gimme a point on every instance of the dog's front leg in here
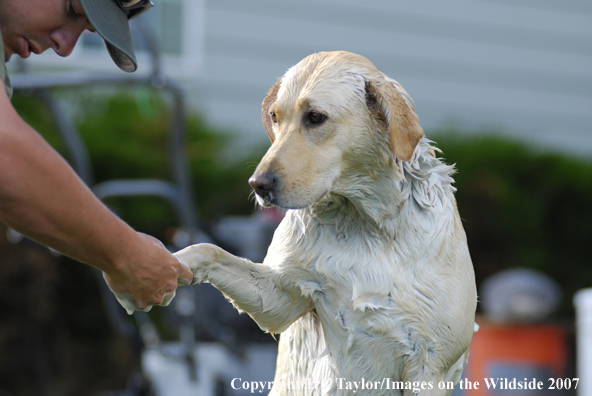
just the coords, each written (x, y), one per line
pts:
(254, 288)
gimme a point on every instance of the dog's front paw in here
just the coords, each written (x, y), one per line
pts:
(198, 258)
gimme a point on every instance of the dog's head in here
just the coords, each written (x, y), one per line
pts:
(318, 116)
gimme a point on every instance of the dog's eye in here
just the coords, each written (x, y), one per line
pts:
(273, 117)
(316, 118)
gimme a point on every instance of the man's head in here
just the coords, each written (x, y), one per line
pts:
(32, 26)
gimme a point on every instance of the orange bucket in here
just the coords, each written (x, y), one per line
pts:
(512, 359)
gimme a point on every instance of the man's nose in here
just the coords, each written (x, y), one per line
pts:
(63, 40)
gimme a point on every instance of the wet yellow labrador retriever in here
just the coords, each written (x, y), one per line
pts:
(368, 277)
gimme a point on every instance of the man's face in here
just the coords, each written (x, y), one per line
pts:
(32, 26)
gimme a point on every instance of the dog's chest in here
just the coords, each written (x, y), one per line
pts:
(356, 286)
(325, 355)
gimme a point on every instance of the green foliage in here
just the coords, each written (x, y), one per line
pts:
(126, 136)
(33, 110)
(522, 208)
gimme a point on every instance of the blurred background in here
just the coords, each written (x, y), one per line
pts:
(503, 87)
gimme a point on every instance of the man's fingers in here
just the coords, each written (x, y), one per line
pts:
(185, 276)
(168, 297)
(184, 281)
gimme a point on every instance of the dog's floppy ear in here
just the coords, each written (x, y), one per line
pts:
(391, 104)
(267, 102)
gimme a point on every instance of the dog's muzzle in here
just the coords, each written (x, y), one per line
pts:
(263, 184)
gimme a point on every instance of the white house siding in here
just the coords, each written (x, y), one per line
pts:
(523, 67)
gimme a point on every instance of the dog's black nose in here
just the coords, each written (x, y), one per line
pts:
(262, 183)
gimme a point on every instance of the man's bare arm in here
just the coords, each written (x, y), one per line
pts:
(43, 198)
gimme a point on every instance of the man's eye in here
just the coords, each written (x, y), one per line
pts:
(316, 118)
(273, 117)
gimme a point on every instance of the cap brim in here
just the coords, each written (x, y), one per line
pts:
(112, 24)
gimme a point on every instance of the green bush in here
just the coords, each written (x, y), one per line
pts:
(126, 136)
(523, 208)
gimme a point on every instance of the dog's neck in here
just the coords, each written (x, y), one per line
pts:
(391, 199)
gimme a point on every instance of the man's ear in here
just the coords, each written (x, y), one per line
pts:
(267, 102)
(391, 104)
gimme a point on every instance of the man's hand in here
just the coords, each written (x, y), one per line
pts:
(149, 276)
